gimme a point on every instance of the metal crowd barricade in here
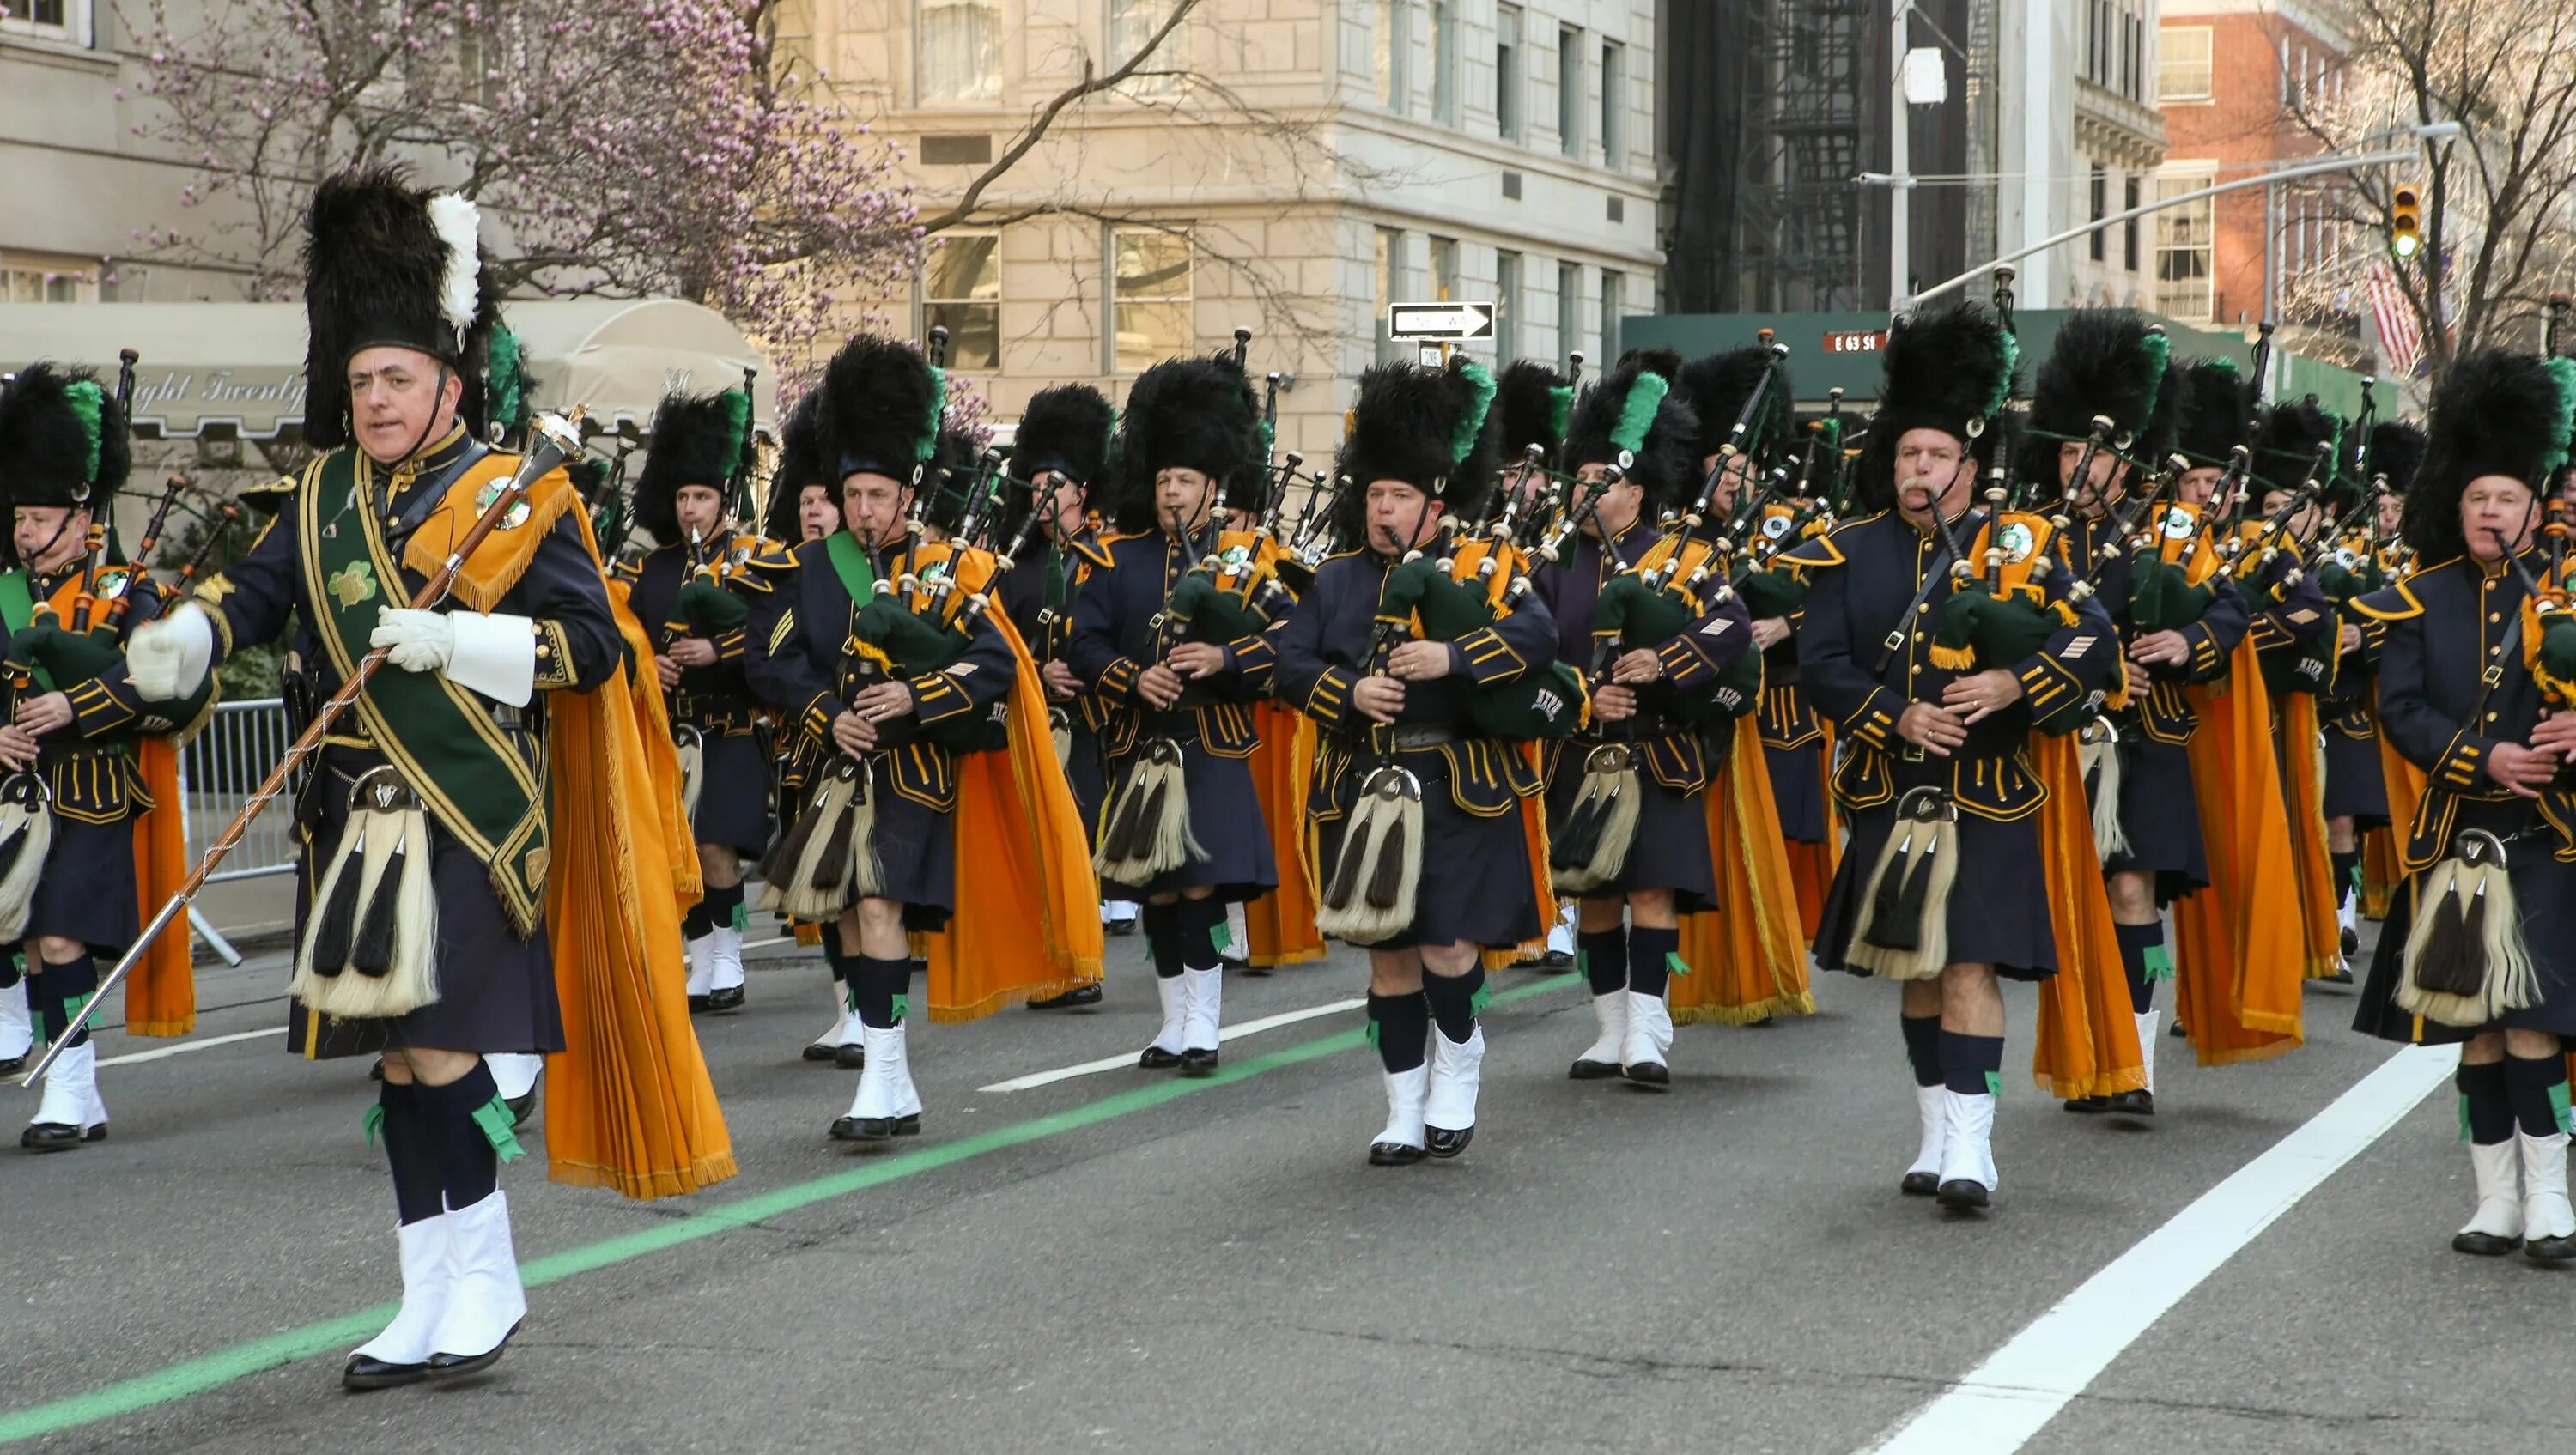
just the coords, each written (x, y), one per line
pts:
(218, 771)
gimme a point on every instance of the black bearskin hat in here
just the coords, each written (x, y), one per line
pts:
(800, 463)
(1430, 428)
(1194, 413)
(2396, 453)
(1949, 369)
(881, 410)
(385, 263)
(2497, 412)
(2292, 430)
(1717, 388)
(2108, 362)
(62, 440)
(1532, 402)
(1634, 419)
(695, 440)
(2217, 412)
(1064, 431)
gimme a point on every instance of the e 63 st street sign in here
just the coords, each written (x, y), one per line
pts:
(1446, 322)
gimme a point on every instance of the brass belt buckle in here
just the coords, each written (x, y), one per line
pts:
(1912, 753)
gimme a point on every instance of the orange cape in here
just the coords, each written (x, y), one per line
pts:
(1747, 958)
(2088, 1039)
(161, 989)
(2318, 897)
(1281, 924)
(2238, 958)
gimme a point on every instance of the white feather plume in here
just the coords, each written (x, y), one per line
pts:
(458, 224)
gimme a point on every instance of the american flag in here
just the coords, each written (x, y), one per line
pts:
(2401, 343)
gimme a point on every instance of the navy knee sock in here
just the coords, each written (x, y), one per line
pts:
(876, 987)
(1401, 1026)
(2486, 1105)
(409, 1153)
(722, 908)
(696, 925)
(1454, 1001)
(1972, 1065)
(2539, 1092)
(1161, 923)
(458, 1124)
(1200, 924)
(1651, 953)
(2137, 943)
(62, 990)
(2347, 873)
(1604, 957)
(1922, 1046)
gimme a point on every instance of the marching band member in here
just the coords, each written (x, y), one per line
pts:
(473, 798)
(695, 454)
(1175, 723)
(2356, 791)
(1629, 437)
(2294, 631)
(1945, 885)
(2480, 945)
(1422, 815)
(1532, 402)
(85, 762)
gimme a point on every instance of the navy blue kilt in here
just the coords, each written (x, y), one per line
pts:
(496, 991)
(86, 891)
(1798, 791)
(733, 795)
(2355, 788)
(916, 857)
(1670, 851)
(1476, 873)
(1225, 818)
(1998, 905)
(2544, 890)
(1084, 774)
(2160, 816)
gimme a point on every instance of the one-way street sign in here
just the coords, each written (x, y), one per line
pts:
(1450, 321)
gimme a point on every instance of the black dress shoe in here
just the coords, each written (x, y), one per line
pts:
(2089, 1105)
(2483, 1245)
(1125, 926)
(364, 1372)
(1442, 1142)
(875, 1129)
(1079, 995)
(1394, 1154)
(2342, 976)
(1556, 962)
(1155, 1058)
(2134, 1104)
(726, 1001)
(851, 1057)
(520, 1106)
(1198, 1063)
(2177, 1032)
(1963, 1194)
(10, 1066)
(1592, 1071)
(1652, 1075)
(2549, 1250)
(815, 1051)
(2351, 943)
(697, 1005)
(376, 1072)
(56, 1137)
(454, 1366)
(1919, 1184)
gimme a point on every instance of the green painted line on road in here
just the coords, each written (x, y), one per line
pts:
(213, 1371)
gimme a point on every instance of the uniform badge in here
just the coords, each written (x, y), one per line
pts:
(352, 584)
(1775, 527)
(512, 519)
(2177, 526)
(2016, 540)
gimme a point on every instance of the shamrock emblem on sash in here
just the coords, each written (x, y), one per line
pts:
(352, 584)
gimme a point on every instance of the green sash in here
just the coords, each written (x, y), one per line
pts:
(479, 784)
(17, 609)
(858, 573)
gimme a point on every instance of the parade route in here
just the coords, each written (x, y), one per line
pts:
(1101, 1262)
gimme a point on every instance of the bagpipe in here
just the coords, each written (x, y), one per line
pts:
(2346, 557)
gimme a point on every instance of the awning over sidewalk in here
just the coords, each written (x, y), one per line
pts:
(239, 367)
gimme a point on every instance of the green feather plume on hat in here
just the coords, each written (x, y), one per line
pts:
(2564, 372)
(2004, 379)
(1637, 415)
(938, 419)
(2159, 352)
(737, 427)
(1472, 422)
(1560, 408)
(89, 406)
(508, 380)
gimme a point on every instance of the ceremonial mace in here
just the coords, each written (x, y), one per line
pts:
(557, 440)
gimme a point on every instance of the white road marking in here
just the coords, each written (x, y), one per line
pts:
(1127, 1060)
(2003, 1402)
(158, 1053)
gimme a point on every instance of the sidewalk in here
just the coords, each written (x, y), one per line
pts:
(254, 914)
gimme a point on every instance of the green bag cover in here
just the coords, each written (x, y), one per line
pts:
(2162, 600)
(1769, 594)
(1536, 706)
(2558, 647)
(917, 645)
(2003, 630)
(709, 609)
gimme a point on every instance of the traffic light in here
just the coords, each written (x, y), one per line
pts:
(2406, 221)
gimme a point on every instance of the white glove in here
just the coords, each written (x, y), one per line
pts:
(493, 655)
(167, 657)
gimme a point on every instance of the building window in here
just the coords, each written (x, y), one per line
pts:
(1569, 305)
(961, 291)
(67, 21)
(1507, 292)
(1444, 62)
(959, 54)
(1393, 38)
(1507, 72)
(1614, 99)
(1444, 269)
(1614, 302)
(2101, 209)
(2182, 64)
(1569, 90)
(1133, 23)
(46, 285)
(2184, 250)
(1389, 281)
(1149, 297)
(2129, 229)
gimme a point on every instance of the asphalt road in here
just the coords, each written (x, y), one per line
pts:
(1117, 1261)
